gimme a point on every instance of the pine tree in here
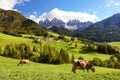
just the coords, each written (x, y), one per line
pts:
(64, 55)
(73, 57)
(0, 50)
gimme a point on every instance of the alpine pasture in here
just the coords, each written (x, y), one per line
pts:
(39, 71)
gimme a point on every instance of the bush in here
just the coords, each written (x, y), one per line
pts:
(72, 39)
(117, 56)
(61, 37)
(80, 58)
(97, 62)
(117, 65)
(89, 47)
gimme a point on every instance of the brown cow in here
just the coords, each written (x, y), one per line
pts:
(24, 61)
(82, 64)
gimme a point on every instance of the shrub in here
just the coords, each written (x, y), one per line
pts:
(61, 37)
(80, 58)
(117, 65)
(89, 47)
(97, 62)
(117, 56)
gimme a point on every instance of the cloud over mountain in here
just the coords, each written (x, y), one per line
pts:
(69, 15)
(65, 16)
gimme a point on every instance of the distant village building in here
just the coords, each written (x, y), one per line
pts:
(36, 40)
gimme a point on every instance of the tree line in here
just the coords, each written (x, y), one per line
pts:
(43, 54)
(104, 48)
(112, 62)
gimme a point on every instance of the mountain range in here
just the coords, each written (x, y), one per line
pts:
(70, 25)
(106, 30)
(12, 22)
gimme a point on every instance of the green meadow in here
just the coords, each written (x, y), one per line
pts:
(115, 44)
(7, 39)
(69, 46)
(38, 71)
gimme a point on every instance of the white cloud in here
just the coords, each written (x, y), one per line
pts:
(9, 4)
(112, 3)
(117, 3)
(34, 17)
(65, 16)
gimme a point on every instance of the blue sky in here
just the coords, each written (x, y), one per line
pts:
(34, 9)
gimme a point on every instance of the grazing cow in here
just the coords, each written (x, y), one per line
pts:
(24, 61)
(82, 64)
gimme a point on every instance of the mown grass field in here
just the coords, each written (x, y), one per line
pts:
(38, 71)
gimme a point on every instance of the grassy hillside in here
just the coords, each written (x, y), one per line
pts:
(69, 46)
(106, 30)
(14, 23)
(36, 71)
(7, 39)
(115, 44)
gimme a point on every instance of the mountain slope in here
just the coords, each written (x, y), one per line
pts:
(61, 31)
(106, 30)
(12, 22)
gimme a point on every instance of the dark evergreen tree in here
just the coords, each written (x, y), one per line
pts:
(65, 55)
(80, 58)
(0, 50)
(73, 57)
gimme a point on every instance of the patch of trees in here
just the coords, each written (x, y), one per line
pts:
(13, 34)
(100, 47)
(112, 62)
(89, 47)
(51, 55)
(44, 54)
(18, 51)
(107, 49)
